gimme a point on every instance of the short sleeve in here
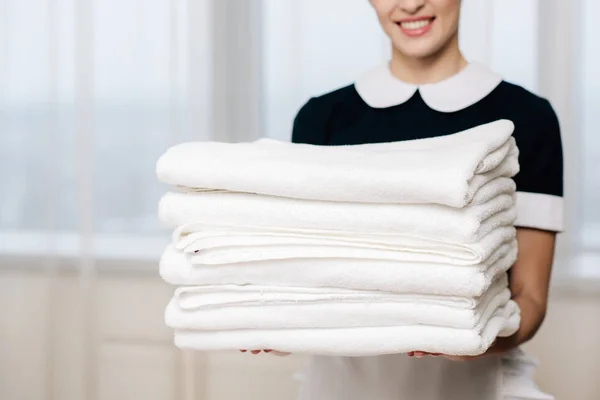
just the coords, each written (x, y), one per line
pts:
(540, 178)
(311, 123)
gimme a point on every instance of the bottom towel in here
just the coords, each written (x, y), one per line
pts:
(363, 341)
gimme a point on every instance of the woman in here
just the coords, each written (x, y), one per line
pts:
(429, 89)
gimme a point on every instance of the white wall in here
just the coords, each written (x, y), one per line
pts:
(134, 355)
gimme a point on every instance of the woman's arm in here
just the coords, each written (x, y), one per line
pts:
(530, 280)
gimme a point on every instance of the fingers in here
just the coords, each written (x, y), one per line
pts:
(421, 354)
(278, 353)
(251, 351)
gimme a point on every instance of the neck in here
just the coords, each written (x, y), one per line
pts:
(434, 68)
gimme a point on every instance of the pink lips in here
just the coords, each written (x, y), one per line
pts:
(415, 32)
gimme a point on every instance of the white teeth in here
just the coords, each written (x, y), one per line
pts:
(415, 24)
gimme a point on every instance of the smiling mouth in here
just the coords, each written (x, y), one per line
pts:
(414, 26)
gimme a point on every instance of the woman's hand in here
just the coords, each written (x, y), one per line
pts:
(268, 351)
(529, 284)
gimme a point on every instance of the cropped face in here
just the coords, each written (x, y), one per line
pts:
(418, 28)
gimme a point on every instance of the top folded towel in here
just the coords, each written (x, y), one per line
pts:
(445, 170)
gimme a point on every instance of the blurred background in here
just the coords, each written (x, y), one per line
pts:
(93, 91)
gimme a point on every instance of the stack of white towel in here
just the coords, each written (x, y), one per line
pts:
(342, 250)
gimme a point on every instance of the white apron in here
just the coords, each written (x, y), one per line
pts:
(399, 377)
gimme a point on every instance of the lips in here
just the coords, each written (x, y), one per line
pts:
(416, 26)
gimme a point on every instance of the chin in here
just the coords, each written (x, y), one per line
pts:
(422, 50)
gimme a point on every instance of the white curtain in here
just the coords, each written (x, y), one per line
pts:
(93, 91)
(588, 87)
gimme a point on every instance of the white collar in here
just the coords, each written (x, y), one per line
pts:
(379, 88)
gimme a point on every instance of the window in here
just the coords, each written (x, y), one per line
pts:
(145, 57)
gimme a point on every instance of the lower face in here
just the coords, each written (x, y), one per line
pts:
(421, 33)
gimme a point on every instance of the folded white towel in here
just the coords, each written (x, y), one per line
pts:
(210, 245)
(362, 341)
(192, 298)
(177, 268)
(227, 307)
(445, 170)
(432, 221)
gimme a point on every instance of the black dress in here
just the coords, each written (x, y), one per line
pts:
(380, 108)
